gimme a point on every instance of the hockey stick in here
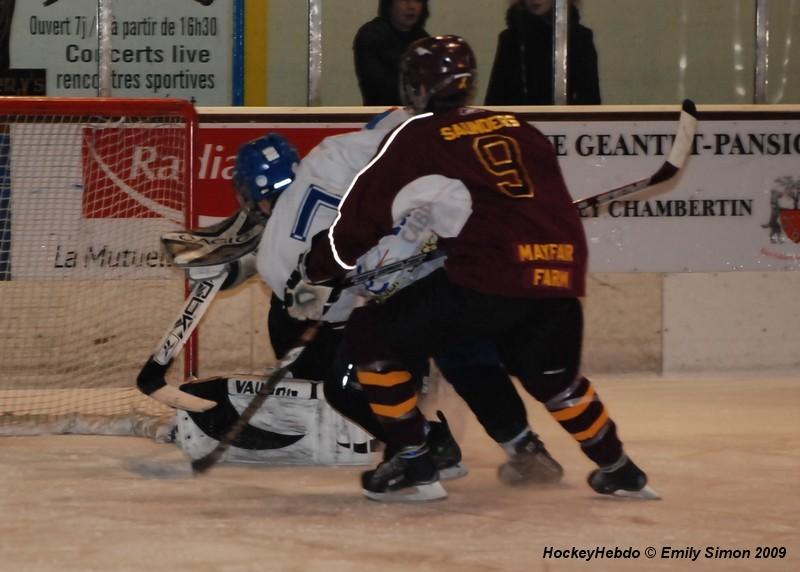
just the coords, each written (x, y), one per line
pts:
(203, 464)
(410, 262)
(151, 379)
(679, 153)
(215, 245)
(681, 149)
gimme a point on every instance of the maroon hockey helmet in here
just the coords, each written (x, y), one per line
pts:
(437, 73)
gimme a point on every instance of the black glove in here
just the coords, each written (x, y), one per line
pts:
(307, 301)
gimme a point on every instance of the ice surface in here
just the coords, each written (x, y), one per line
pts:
(724, 454)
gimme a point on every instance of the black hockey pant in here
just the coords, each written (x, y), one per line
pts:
(538, 340)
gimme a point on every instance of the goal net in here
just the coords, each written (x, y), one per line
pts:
(87, 187)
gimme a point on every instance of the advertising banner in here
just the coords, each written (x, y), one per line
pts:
(735, 205)
(180, 48)
(731, 208)
(83, 210)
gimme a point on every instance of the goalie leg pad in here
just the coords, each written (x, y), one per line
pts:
(295, 426)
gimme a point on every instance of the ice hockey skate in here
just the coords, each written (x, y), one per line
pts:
(623, 479)
(445, 450)
(404, 478)
(530, 464)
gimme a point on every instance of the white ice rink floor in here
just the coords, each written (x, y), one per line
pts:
(724, 454)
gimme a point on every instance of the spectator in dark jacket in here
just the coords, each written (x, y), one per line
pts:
(379, 45)
(522, 73)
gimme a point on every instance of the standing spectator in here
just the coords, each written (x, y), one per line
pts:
(522, 73)
(380, 43)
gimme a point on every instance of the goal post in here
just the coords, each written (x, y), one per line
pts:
(87, 187)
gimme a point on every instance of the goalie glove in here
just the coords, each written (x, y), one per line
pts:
(238, 271)
(305, 300)
(200, 273)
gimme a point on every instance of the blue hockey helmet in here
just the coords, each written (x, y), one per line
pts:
(264, 168)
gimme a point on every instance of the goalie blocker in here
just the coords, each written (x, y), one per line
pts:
(295, 426)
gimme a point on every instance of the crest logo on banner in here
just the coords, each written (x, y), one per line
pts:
(132, 173)
(790, 221)
(784, 217)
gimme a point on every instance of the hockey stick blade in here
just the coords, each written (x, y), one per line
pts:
(681, 149)
(177, 399)
(151, 379)
(203, 464)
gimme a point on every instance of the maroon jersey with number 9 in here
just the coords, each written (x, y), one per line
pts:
(495, 194)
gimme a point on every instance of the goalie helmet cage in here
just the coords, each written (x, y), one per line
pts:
(87, 187)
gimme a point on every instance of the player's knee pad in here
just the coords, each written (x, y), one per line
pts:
(344, 393)
(293, 426)
(544, 385)
(390, 389)
(579, 409)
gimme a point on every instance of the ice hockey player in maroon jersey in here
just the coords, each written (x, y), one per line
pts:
(514, 273)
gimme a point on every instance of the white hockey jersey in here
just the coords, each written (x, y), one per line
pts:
(310, 203)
